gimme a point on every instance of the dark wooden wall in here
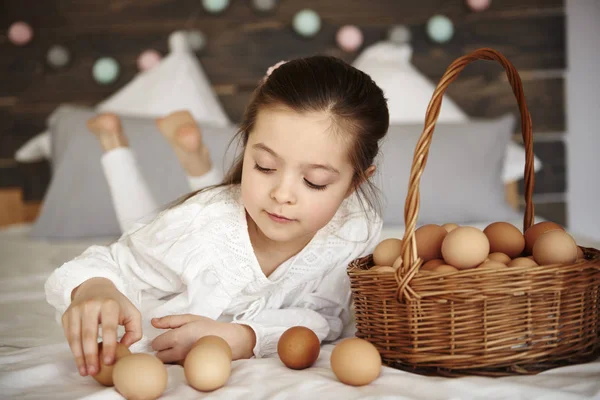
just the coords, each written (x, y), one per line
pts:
(243, 43)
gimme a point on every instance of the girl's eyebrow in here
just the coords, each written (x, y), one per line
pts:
(264, 147)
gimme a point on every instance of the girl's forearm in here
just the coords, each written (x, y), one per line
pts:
(242, 342)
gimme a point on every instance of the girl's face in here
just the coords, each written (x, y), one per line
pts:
(296, 173)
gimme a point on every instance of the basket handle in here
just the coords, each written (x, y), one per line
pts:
(411, 263)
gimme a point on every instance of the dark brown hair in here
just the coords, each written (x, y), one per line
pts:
(324, 84)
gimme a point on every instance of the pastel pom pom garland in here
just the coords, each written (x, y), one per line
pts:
(307, 23)
(440, 29)
(196, 40)
(58, 56)
(106, 70)
(479, 5)
(215, 6)
(264, 5)
(148, 59)
(20, 33)
(349, 38)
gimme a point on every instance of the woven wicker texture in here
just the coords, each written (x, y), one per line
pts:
(491, 322)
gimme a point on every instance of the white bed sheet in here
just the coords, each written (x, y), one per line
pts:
(35, 361)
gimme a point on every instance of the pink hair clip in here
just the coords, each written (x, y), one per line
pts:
(273, 68)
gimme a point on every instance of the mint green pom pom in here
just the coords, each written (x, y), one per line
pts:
(440, 29)
(106, 70)
(307, 23)
(215, 6)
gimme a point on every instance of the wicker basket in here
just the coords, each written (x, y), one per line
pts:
(489, 322)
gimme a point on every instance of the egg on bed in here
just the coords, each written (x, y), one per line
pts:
(105, 374)
(140, 376)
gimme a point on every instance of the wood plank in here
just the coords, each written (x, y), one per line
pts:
(552, 178)
(243, 43)
(11, 206)
(555, 211)
(56, 13)
(13, 210)
(36, 178)
(240, 53)
(480, 99)
(31, 179)
(10, 176)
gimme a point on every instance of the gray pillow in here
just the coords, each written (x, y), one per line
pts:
(461, 183)
(78, 204)
(462, 180)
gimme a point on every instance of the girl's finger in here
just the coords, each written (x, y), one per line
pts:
(89, 336)
(109, 317)
(72, 328)
(133, 329)
(165, 341)
(170, 355)
(173, 321)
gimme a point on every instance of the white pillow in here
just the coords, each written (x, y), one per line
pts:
(178, 82)
(409, 93)
(407, 90)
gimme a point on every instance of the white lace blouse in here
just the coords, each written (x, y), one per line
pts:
(197, 258)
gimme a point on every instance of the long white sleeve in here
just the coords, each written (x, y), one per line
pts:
(151, 258)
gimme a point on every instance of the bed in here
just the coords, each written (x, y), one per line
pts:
(36, 363)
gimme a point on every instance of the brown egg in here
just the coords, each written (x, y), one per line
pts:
(444, 268)
(431, 264)
(140, 376)
(429, 240)
(555, 247)
(505, 238)
(104, 376)
(535, 231)
(213, 340)
(580, 254)
(398, 263)
(387, 251)
(522, 262)
(500, 257)
(465, 247)
(355, 362)
(450, 227)
(492, 265)
(299, 347)
(207, 366)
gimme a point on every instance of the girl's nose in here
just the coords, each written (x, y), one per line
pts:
(283, 193)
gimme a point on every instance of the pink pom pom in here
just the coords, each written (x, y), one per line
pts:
(479, 5)
(349, 38)
(148, 59)
(20, 33)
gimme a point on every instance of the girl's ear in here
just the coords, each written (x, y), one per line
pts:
(368, 173)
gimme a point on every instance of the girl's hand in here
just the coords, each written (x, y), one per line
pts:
(98, 302)
(185, 330)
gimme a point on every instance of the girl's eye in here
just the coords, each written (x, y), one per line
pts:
(315, 187)
(307, 182)
(263, 170)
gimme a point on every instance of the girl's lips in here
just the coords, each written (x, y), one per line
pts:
(279, 218)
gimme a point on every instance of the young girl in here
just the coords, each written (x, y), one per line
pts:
(266, 250)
